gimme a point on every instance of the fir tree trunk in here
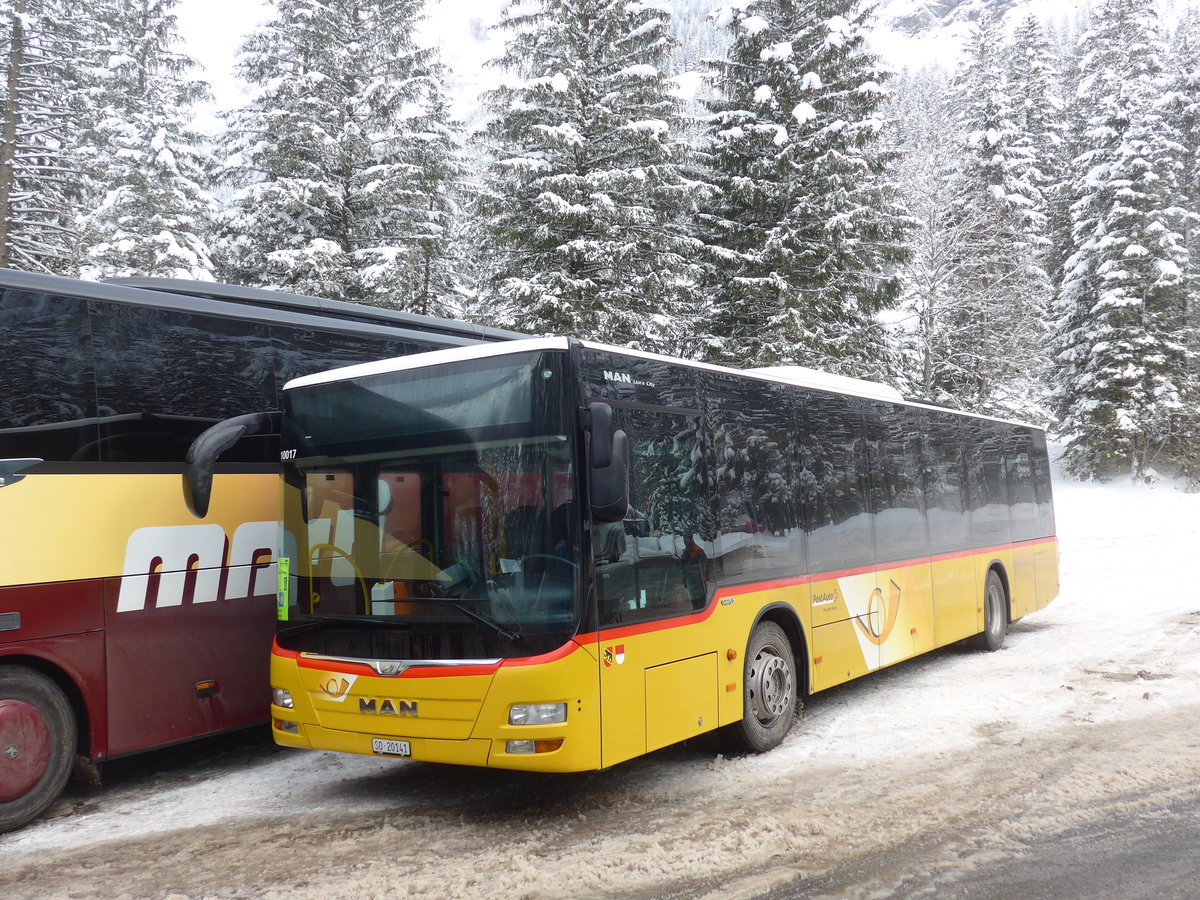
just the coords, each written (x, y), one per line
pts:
(8, 147)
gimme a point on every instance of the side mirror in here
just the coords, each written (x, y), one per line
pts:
(609, 481)
(202, 454)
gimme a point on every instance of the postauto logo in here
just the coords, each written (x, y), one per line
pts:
(166, 564)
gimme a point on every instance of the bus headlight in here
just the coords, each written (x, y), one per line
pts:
(537, 714)
(282, 698)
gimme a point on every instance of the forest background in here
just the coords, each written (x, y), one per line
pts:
(748, 184)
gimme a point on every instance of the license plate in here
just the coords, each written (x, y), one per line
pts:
(388, 747)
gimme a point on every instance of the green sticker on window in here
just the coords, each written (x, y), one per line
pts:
(284, 567)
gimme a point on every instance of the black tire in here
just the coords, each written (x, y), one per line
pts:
(37, 744)
(995, 613)
(769, 691)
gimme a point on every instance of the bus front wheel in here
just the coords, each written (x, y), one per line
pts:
(995, 613)
(768, 690)
(37, 743)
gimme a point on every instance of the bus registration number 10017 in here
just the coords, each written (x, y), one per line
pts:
(388, 747)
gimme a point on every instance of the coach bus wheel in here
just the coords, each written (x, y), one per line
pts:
(768, 690)
(995, 613)
(37, 743)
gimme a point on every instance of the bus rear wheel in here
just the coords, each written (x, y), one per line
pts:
(37, 743)
(768, 691)
(995, 613)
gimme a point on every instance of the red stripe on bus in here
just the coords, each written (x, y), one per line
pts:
(571, 646)
(780, 583)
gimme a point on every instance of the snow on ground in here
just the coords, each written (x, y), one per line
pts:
(1101, 688)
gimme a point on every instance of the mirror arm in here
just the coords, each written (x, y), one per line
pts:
(202, 455)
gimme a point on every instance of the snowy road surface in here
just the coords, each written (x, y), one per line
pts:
(906, 783)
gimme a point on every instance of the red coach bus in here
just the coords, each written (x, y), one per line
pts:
(124, 624)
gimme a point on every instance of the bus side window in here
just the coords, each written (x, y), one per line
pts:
(753, 446)
(1021, 489)
(49, 398)
(897, 495)
(945, 483)
(836, 508)
(988, 485)
(1040, 464)
(219, 367)
(656, 572)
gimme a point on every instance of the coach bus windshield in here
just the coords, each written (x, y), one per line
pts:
(430, 511)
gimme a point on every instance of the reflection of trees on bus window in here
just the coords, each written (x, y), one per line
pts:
(639, 570)
(833, 453)
(753, 441)
(987, 486)
(897, 498)
(945, 482)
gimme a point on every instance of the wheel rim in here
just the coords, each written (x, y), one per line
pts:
(770, 685)
(25, 748)
(996, 608)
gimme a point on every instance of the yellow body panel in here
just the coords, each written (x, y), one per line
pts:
(645, 667)
(95, 516)
(681, 700)
(1045, 568)
(955, 600)
(633, 689)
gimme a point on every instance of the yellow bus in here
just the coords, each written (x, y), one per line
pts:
(556, 555)
(124, 623)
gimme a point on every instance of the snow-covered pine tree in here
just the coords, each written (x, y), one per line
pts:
(148, 170)
(1122, 391)
(589, 206)
(344, 157)
(695, 38)
(45, 45)
(1033, 69)
(415, 191)
(924, 133)
(993, 331)
(1183, 109)
(804, 228)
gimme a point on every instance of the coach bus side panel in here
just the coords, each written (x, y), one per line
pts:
(177, 672)
(189, 624)
(60, 625)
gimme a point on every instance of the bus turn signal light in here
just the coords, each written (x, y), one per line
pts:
(532, 746)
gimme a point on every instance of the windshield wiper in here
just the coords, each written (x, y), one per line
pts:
(381, 620)
(484, 620)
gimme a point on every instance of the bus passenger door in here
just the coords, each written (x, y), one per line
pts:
(622, 684)
(658, 684)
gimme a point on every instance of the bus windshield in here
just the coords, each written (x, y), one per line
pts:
(430, 512)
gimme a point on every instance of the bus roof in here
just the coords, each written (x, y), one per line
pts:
(795, 375)
(256, 304)
(271, 299)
